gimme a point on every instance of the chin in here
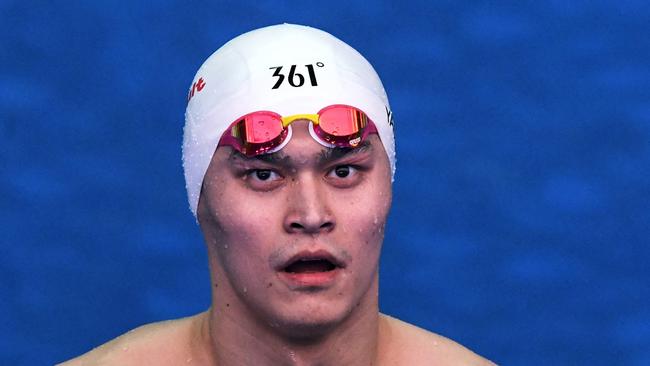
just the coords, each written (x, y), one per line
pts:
(311, 322)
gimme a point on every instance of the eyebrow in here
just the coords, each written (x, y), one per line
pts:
(337, 153)
(277, 158)
(326, 155)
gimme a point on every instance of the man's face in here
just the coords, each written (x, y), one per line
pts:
(294, 237)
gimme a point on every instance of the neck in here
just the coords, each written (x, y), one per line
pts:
(235, 337)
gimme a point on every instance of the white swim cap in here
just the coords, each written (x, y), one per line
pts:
(289, 69)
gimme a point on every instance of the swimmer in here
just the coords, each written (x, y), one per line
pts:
(288, 156)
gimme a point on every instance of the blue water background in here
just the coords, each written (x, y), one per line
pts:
(521, 211)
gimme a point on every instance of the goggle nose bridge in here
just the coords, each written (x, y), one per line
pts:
(286, 121)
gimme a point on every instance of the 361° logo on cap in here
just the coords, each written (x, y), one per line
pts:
(295, 79)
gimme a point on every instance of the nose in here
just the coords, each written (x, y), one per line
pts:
(308, 211)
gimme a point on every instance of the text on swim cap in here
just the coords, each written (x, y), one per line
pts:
(389, 117)
(196, 87)
(294, 78)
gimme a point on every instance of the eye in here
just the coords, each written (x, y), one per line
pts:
(343, 172)
(262, 180)
(262, 175)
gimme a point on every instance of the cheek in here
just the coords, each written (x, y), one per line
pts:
(237, 213)
(245, 227)
(240, 230)
(365, 218)
(241, 218)
(242, 247)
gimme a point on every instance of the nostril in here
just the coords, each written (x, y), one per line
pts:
(297, 226)
(327, 225)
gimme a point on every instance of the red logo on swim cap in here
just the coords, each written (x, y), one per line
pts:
(196, 87)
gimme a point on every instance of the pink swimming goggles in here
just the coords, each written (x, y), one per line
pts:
(266, 132)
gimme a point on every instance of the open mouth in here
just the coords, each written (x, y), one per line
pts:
(310, 266)
(312, 262)
(311, 270)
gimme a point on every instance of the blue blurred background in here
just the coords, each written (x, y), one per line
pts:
(521, 214)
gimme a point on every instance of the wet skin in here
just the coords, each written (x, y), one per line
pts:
(258, 214)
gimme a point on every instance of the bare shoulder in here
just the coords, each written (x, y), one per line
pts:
(410, 345)
(163, 343)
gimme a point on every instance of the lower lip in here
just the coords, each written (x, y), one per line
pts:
(310, 279)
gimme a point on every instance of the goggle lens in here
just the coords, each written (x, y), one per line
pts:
(339, 121)
(260, 127)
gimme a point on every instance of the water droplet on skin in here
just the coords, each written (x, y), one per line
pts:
(225, 246)
(245, 290)
(188, 360)
(125, 349)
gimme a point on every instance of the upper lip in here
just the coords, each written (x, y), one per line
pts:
(307, 255)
